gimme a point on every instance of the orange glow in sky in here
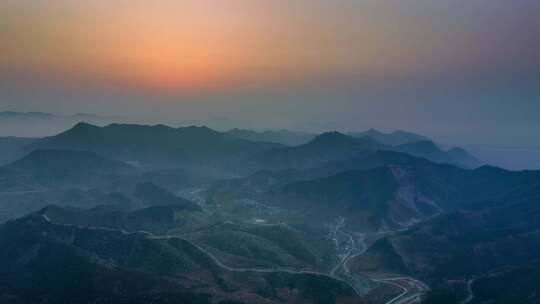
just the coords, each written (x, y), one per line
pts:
(189, 44)
(206, 44)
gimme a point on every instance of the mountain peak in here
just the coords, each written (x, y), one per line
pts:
(78, 130)
(199, 129)
(84, 125)
(332, 137)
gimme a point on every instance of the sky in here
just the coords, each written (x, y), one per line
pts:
(463, 71)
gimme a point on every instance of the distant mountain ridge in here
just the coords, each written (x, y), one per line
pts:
(97, 136)
(431, 151)
(13, 114)
(335, 146)
(293, 138)
(394, 138)
(44, 115)
(286, 137)
(155, 145)
(39, 124)
(326, 147)
(422, 146)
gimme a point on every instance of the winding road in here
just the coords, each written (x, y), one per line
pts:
(346, 257)
(150, 235)
(470, 296)
(362, 243)
(413, 290)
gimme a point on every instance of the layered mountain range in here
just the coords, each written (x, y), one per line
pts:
(133, 213)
